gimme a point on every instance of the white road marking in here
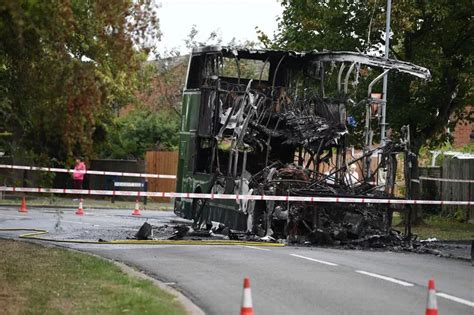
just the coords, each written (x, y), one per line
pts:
(455, 299)
(259, 248)
(315, 260)
(405, 284)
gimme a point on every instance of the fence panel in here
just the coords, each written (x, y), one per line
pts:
(161, 162)
(458, 169)
(431, 190)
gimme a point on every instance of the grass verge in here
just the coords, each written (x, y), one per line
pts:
(44, 280)
(442, 229)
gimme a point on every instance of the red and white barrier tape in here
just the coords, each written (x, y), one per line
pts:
(91, 172)
(145, 175)
(449, 180)
(232, 196)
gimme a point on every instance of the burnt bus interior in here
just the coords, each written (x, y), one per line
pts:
(277, 123)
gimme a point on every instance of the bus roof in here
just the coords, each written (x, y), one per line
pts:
(315, 56)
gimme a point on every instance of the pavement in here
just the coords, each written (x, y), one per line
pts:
(90, 202)
(284, 280)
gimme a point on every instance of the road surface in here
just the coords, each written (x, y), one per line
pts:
(284, 280)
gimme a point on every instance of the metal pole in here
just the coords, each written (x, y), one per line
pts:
(384, 92)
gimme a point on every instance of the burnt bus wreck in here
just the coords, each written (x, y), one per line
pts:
(279, 123)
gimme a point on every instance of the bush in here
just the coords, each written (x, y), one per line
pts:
(142, 130)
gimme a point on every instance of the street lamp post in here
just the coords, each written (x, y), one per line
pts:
(384, 91)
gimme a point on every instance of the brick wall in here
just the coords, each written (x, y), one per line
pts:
(462, 131)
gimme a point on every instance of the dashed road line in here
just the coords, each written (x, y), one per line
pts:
(455, 299)
(259, 248)
(400, 282)
(315, 260)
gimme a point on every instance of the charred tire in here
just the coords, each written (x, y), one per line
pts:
(197, 210)
(258, 226)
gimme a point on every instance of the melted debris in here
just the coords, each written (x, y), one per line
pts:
(393, 241)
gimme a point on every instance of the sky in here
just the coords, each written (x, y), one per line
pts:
(229, 18)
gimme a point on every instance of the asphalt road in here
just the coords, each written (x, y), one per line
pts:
(286, 280)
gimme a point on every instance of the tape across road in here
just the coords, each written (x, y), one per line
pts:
(232, 196)
(91, 172)
(145, 175)
(449, 180)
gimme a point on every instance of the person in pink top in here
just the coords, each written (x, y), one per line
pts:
(78, 174)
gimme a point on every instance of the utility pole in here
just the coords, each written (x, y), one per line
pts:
(384, 91)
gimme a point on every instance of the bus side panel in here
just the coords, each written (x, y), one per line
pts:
(181, 207)
(187, 147)
(190, 111)
(190, 181)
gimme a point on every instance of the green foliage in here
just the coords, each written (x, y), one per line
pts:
(441, 228)
(425, 156)
(65, 66)
(247, 69)
(142, 130)
(332, 24)
(166, 83)
(455, 214)
(437, 34)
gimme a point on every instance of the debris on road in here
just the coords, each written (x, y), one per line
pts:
(145, 232)
(393, 241)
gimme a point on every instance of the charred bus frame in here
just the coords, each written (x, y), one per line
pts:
(281, 128)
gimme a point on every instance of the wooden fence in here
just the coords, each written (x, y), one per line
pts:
(453, 168)
(161, 162)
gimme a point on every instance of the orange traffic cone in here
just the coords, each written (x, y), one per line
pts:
(80, 211)
(247, 307)
(431, 305)
(136, 211)
(23, 206)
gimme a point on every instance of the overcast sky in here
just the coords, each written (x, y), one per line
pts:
(230, 18)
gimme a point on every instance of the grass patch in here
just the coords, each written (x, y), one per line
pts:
(43, 280)
(442, 229)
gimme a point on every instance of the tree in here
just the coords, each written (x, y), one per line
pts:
(191, 40)
(141, 130)
(65, 66)
(436, 34)
(165, 84)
